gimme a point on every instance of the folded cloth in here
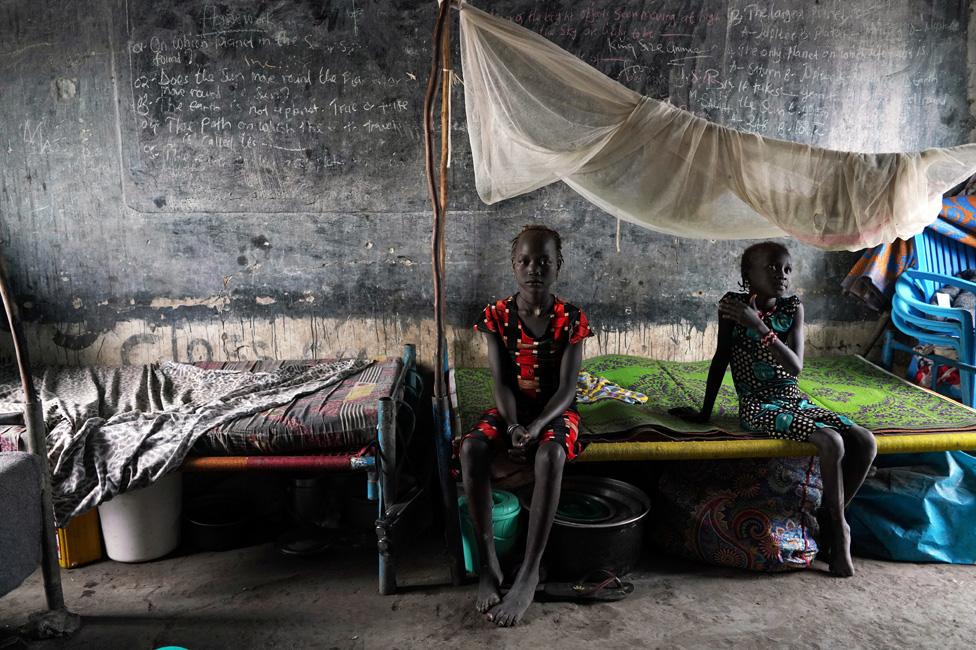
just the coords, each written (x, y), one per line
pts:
(872, 278)
(590, 388)
(956, 296)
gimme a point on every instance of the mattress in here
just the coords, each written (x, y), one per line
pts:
(905, 417)
(341, 418)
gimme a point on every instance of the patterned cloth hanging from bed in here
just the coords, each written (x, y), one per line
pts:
(537, 114)
(750, 513)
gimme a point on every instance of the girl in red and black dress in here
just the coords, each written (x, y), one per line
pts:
(535, 345)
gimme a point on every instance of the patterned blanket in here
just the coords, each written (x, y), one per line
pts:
(342, 418)
(111, 430)
(750, 513)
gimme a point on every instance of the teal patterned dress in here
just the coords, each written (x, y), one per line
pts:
(769, 400)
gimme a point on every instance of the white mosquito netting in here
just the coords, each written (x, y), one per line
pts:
(537, 114)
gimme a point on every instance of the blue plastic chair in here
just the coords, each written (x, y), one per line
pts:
(938, 259)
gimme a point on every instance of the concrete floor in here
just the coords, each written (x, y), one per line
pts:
(255, 598)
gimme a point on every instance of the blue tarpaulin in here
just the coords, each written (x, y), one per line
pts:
(917, 508)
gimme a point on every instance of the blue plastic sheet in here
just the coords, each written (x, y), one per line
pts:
(917, 508)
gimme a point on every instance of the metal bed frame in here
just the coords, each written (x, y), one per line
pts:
(379, 463)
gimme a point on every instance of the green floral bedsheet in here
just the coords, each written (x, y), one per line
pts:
(848, 385)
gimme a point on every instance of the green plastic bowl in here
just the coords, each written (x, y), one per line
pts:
(505, 525)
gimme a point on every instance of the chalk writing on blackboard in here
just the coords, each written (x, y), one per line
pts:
(234, 104)
(238, 106)
(783, 69)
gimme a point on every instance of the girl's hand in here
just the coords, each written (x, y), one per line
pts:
(744, 314)
(523, 437)
(516, 434)
(516, 452)
(689, 414)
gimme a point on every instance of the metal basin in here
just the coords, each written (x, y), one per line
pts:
(599, 524)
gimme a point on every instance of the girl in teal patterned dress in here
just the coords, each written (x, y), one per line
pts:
(760, 334)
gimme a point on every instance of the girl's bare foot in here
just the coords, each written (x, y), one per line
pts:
(841, 563)
(516, 601)
(489, 586)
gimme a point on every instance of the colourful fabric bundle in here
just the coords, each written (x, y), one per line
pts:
(755, 514)
(590, 388)
(872, 278)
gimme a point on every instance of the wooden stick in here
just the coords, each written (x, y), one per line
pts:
(436, 193)
(440, 65)
(879, 330)
(447, 76)
(37, 443)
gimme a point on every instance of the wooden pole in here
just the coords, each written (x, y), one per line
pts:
(447, 77)
(437, 188)
(37, 444)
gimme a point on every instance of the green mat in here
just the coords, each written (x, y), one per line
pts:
(848, 385)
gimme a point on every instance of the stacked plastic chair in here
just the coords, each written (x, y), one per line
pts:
(939, 259)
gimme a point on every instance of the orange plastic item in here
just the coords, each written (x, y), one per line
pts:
(80, 542)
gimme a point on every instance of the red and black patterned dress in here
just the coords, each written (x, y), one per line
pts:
(533, 366)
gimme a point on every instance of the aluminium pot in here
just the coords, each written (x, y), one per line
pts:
(599, 525)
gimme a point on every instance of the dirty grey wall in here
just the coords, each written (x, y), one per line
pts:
(243, 179)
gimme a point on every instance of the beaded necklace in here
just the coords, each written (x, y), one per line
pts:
(763, 315)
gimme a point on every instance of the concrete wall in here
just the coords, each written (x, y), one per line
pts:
(100, 282)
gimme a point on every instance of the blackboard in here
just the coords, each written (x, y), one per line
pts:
(249, 106)
(834, 73)
(272, 107)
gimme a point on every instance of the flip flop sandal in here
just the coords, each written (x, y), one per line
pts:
(610, 589)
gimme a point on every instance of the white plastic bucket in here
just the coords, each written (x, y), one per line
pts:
(143, 524)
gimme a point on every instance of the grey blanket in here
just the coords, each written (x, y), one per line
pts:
(111, 430)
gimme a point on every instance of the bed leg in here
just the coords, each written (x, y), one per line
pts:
(50, 569)
(409, 357)
(386, 433)
(886, 350)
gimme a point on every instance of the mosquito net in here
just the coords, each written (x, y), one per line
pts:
(537, 114)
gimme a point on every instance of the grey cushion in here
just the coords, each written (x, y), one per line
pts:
(20, 518)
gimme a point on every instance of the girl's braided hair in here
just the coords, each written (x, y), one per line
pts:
(547, 231)
(750, 253)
